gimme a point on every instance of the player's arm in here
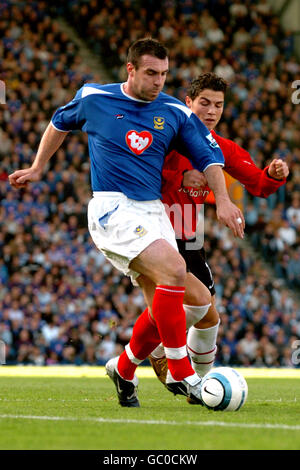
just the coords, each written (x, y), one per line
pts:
(206, 156)
(66, 118)
(227, 212)
(259, 182)
(239, 165)
(50, 142)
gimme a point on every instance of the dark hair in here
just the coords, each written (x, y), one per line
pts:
(146, 46)
(204, 81)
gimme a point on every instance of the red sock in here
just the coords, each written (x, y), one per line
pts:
(145, 338)
(169, 315)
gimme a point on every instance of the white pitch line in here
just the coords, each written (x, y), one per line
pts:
(286, 427)
(84, 400)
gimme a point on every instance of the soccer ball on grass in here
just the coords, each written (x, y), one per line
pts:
(224, 388)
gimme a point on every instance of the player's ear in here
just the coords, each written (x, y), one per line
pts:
(188, 102)
(130, 67)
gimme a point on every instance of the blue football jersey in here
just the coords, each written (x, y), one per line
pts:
(129, 138)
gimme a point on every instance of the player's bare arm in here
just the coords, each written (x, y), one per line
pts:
(278, 169)
(227, 212)
(50, 142)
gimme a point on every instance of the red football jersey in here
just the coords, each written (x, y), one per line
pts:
(183, 201)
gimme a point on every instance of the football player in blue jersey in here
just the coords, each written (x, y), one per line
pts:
(131, 127)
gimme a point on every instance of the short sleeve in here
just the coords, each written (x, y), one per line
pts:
(201, 147)
(71, 116)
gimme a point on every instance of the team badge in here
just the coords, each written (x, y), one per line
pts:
(138, 142)
(212, 140)
(140, 231)
(159, 122)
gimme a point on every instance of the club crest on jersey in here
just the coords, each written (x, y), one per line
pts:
(138, 142)
(159, 122)
(140, 231)
(212, 140)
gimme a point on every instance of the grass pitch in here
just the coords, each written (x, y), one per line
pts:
(77, 408)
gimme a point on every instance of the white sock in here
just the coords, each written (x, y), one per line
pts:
(158, 352)
(201, 345)
(194, 313)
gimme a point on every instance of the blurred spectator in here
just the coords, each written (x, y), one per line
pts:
(247, 348)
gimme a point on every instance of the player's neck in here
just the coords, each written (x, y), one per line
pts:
(127, 90)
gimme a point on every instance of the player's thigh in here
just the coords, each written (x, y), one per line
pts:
(161, 263)
(196, 293)
(197, 265)
(148, 288)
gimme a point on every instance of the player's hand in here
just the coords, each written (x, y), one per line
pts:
(278, 169)
(231, 216)
(20, 178)
(194, 179)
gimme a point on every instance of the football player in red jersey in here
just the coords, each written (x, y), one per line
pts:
(185, 187)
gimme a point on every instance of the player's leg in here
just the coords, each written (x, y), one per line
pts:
(145, 337)
(168, 317)
(138, 238)
(202, 340)
(196, 305)
(161, 263)
(202, 335)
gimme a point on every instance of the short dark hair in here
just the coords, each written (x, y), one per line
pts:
(209, 81)
(145, 46)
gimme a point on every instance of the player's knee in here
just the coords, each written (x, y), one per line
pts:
(198, 296)
(178, 273)
(211, 319)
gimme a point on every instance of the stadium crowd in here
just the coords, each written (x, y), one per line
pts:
(61, 302)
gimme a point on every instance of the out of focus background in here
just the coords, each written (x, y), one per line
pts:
(61, 302)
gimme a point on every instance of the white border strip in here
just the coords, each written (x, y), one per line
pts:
(286, 427)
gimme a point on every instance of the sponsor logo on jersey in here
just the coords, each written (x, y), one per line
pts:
(194, 192)
(212, 140)
(138, 142)
(119, 116)
(140, 231)
(159, 122)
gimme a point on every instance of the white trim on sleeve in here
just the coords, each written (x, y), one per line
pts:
(214, 164)
(56, 128)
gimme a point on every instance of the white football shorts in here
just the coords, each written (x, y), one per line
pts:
(122, 228)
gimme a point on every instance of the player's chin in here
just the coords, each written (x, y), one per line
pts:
(154, 94)
(210, 123)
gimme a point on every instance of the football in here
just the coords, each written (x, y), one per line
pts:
(224, 388)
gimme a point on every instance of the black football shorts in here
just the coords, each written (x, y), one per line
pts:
(196, 264)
